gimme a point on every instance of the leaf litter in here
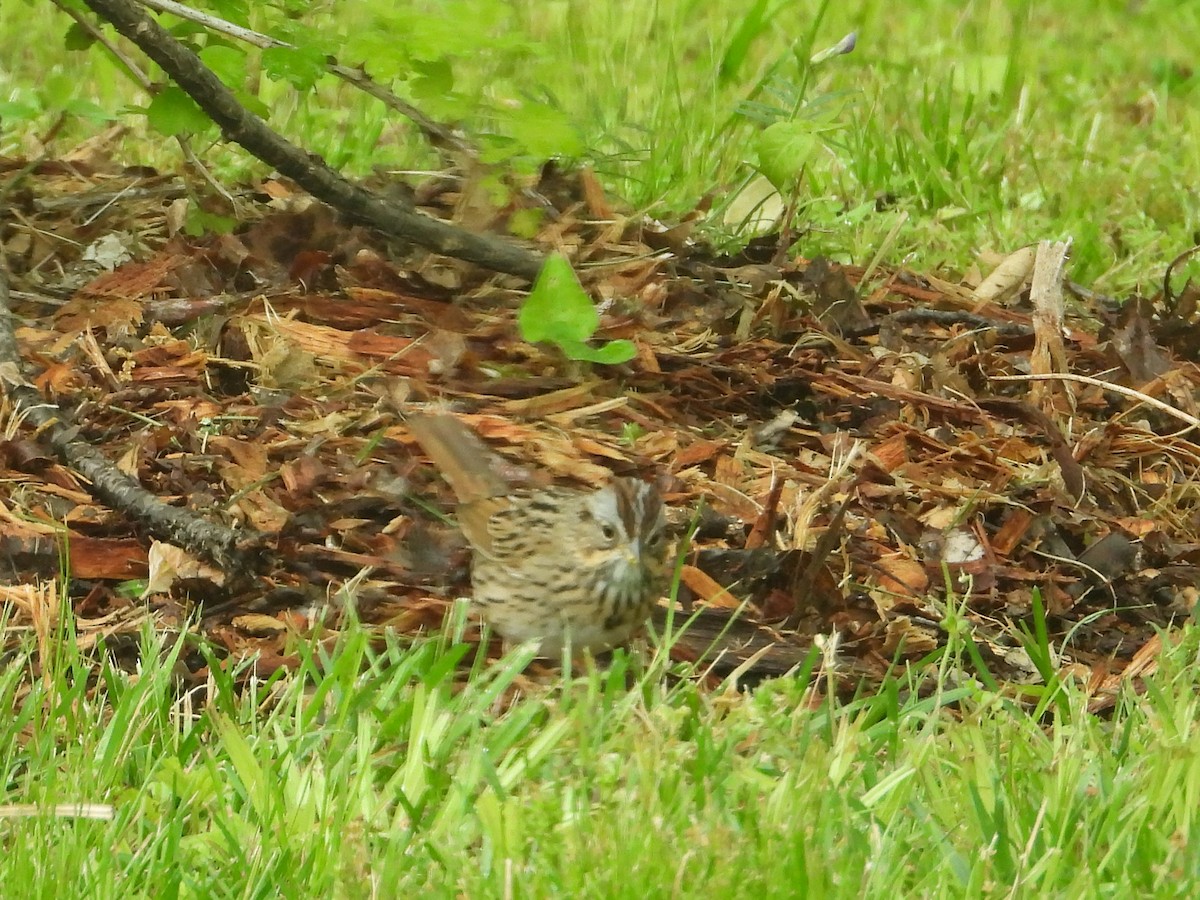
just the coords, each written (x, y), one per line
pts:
(856, 477)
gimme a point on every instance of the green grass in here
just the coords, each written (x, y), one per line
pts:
(971, 127)
(370, 773)
(986, 125)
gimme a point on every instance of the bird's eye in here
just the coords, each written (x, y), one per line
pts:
(608, 531)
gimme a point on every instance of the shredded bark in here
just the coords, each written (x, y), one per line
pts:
(861, 483)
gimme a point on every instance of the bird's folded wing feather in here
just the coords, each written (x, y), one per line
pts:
(462, 458)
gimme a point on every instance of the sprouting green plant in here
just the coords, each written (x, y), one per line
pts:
(558, 311)
(630, 432)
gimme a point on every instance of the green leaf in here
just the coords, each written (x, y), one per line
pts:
(173, 112)
(57, 89)
(525, 223)
(131, 589)
(19, 111)
(460, 28)
(557, 309)
(253, 104)
(78, 38)
(498, 148)
(609, 354)
(384, 58)
(434, 78)
(199, 223)
(784, 149)
(299, 67)
(236, 11)
(228, 63)
(86, 109)
(545, 131)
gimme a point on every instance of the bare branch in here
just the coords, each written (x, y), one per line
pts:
(232, 550)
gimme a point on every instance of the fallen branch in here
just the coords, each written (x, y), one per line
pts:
(233, 551)
(253, 134)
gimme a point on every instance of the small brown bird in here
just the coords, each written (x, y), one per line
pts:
(566, 567)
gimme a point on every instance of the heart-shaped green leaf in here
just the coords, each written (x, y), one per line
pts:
(784, 149)
(559, 311)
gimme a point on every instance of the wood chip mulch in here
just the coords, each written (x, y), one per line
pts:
(860, 485)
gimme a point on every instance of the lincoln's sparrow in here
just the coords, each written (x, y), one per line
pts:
(564, 566)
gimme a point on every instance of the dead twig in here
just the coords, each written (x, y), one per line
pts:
(234, 551)
(1107, 386)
